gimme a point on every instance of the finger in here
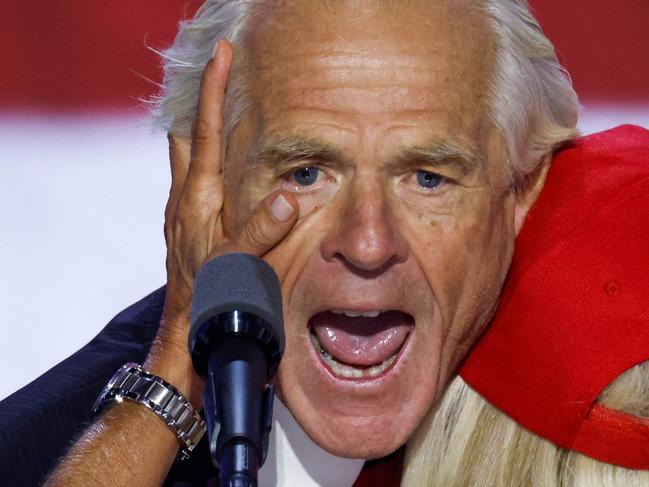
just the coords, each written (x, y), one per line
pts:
(179, 155)
(206, 137)
(269, 223)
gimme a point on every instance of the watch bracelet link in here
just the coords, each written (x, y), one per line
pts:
(132, 383)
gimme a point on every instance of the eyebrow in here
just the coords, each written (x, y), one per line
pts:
(439, 153)
(296, 148)
(435, 153)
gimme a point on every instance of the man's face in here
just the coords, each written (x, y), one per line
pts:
(374, 115)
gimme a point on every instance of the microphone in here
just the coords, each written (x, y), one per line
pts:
(236, 340)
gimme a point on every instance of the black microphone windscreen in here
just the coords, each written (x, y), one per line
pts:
(241, 282)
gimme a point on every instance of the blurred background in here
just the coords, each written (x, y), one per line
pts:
(84, 177)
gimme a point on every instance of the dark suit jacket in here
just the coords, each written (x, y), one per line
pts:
(40, 421)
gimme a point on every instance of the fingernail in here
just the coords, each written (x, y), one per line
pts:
(216, 48)
(281, 209)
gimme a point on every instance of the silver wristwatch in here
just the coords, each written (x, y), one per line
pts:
(132, 383)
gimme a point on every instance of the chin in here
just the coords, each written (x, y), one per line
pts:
(359, 379)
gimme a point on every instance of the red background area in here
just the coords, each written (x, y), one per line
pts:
(90, 54)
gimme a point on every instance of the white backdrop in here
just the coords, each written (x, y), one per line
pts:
(81, 203)
(81, 215)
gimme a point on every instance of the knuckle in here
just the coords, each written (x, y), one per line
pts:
(169, 222)
(258, 234)
(170, 208)
(203, 129)
(184, 209)
(168, 233)
(171, 141)
(168, 219)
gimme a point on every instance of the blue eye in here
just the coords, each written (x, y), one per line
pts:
(428, 179)
(306, 176)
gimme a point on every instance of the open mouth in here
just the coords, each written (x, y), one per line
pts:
(359, 344)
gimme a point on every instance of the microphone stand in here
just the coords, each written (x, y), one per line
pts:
(236, 340)
(239, 429)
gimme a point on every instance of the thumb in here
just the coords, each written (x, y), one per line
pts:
(269, 223)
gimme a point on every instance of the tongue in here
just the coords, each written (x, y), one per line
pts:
(362, 341)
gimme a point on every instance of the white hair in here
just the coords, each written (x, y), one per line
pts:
(532, 100)
(465, 441)
(184, 61)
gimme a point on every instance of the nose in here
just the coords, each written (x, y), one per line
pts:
(366, 236)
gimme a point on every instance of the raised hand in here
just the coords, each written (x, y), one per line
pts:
(193, 221)
(113, 448)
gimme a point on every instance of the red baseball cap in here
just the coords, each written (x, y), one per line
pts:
(574, 313)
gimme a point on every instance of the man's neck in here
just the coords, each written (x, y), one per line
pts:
(294, 459)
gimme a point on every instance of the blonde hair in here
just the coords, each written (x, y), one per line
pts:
(532, 100)
(465, 442)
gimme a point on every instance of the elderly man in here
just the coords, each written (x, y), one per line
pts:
(381, 156)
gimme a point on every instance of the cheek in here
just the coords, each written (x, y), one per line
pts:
(445, 239)
(237, 206)
(464, 254)
(302, 245)
(316, 204)
(487, 249)
(243, 190)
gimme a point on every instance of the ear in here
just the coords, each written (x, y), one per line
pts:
(529, 190)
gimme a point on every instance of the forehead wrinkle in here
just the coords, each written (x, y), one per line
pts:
(358, 102)
(299, 36)
(367, 70)
(358, 58)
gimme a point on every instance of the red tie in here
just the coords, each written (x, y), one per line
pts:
(382, 472)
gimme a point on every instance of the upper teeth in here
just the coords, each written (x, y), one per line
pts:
(353, 314)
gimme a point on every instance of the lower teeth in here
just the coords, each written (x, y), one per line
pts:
(349, 371)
